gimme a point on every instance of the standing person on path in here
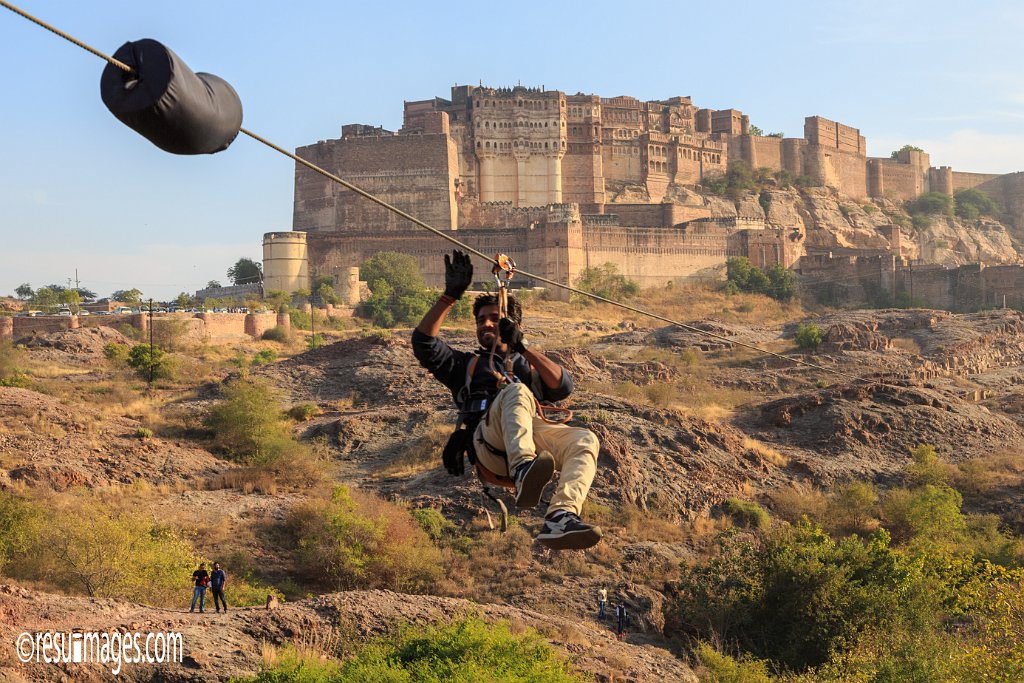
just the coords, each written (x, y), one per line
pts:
(202, 580)
(505, 434)
(218, 579)
(602, 601)
(620, 616)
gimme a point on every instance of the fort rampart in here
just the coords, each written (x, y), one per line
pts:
(889, 280)
(214, 328)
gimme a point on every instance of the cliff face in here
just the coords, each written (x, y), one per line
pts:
(831, 221)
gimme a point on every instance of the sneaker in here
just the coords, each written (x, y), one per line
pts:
(566, 531)
(531, 478)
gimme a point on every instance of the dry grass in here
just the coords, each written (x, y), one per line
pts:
(981, 476)
(704, 527)
(765, 452)
(686, 302)
(906, 344)
(798, 501)
(419, 454)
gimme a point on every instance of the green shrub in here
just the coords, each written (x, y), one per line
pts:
(721, 668)
(465, 651)
(248, 425)
(354, 540)
(17, 380)
(972, 203)
(16, 527)
(398, 294)
(11, 362)
(278, 334)
(795, 596)
(747, 513)
(926, 468)
(264, 357)
(809, 336)
(151, 361)
(87, 548)
(931, 204)
(116, 353)
(314, 341)
(300, 320)
(303, 411)
(433, 523)
(852, 508)
(605, 281)
(143, 433)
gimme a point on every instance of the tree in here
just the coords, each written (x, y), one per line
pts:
(323, 287)
(781, 283)
(972, 203)
(809, 336)
(605, 281)
(905, 148)
(325, 294)
(183, 300)
(399, 271)
(745, 276)
(85, 293)
(45, 299)
(276, 298)
(756, 130)
(24, 291)
(932, 203)
(132, 297)
(245, 271)
(213, 284)
(398, 293)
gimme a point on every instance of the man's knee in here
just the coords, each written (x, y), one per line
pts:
(588, 442)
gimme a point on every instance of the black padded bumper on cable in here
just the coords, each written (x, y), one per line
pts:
(164, 101)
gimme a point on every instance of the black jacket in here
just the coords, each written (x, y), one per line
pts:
(449, 366)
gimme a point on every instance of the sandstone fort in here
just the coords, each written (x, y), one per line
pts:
(564, 182)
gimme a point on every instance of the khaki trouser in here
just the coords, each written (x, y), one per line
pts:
(513, 425)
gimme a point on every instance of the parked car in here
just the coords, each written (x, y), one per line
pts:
(121, 310)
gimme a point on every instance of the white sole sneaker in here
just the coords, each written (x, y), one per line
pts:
(568, 532)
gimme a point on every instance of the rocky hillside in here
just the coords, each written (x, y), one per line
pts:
(827, 220)
(684, 423)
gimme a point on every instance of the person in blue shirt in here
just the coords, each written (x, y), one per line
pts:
(217, 581)
(513, 444)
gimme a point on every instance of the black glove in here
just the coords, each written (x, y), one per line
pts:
(454, 452)
(512, 335)
(458, 274)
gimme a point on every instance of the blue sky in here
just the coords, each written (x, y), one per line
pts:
(80, 190)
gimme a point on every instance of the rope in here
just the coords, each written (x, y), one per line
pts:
(119, 64)
(461, 245)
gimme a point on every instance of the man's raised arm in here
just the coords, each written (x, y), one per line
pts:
(458, 275)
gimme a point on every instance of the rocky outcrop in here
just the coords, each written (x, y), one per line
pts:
(220, 647)
(831, 221)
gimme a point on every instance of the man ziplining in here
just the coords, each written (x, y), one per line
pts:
(501, 428)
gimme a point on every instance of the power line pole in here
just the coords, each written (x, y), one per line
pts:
(151, 363)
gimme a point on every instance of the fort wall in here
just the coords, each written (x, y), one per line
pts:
(882, 280)
(416, 173)
(1008, 190)
(655, 215)
(966, 181)
(193, 328)
(893, 179)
